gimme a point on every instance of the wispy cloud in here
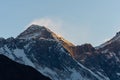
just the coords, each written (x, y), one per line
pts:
(46, 22)
(53, 24)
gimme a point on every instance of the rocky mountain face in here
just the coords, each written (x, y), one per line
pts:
(59, 59)
(48, 53)
(10, 70)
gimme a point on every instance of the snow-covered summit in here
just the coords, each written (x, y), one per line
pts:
(40, 32)
(34, 31)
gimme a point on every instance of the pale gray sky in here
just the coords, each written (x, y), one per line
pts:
(79, 21)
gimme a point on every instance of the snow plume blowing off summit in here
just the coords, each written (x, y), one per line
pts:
(53, 24)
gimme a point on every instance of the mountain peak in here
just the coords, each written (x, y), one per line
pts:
(35, 31)
(36, 27)
(41, 32)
